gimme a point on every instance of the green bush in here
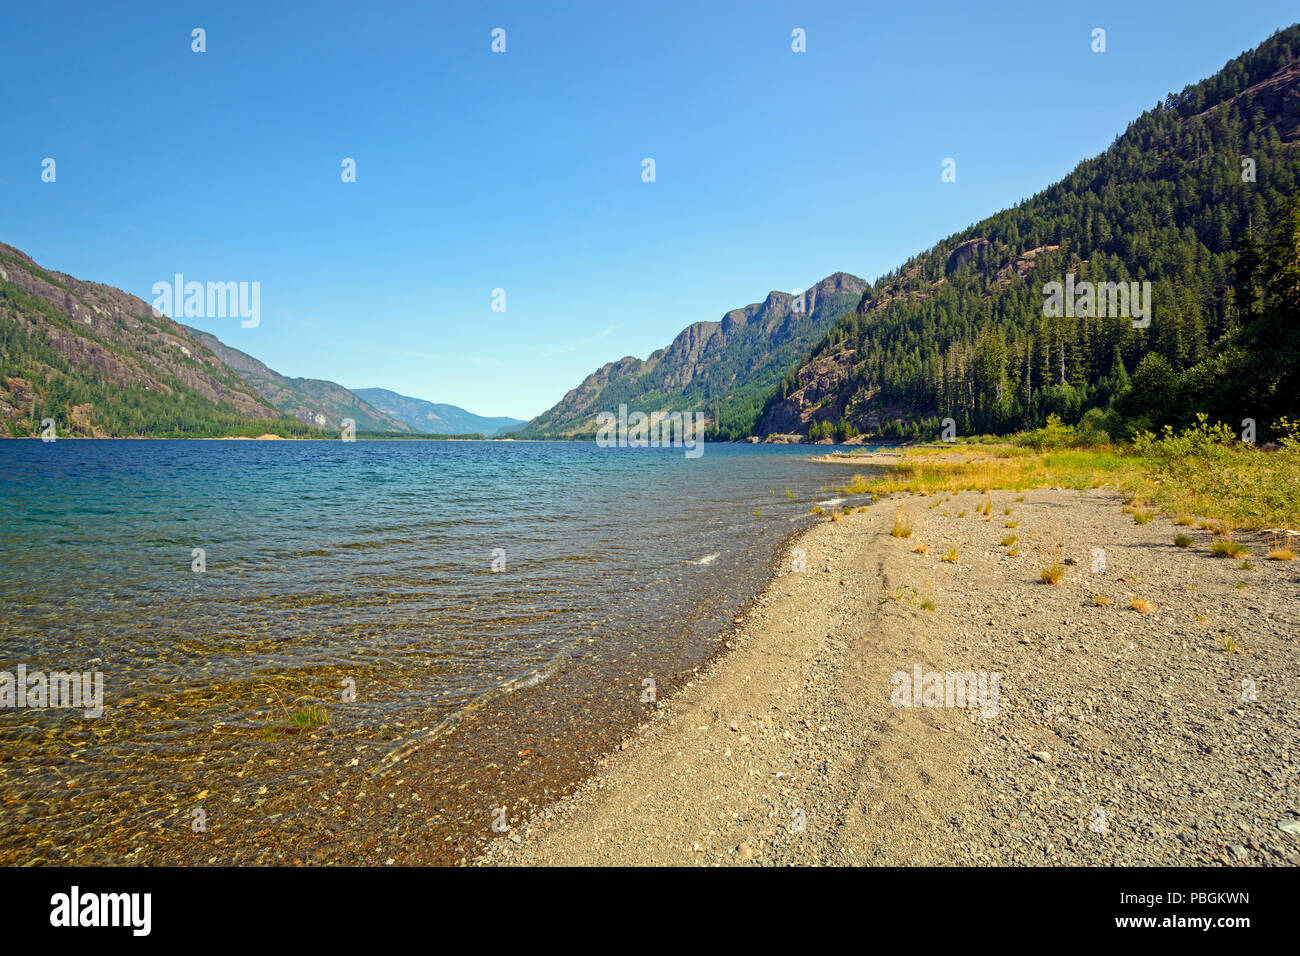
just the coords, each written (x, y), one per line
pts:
(1051, 436)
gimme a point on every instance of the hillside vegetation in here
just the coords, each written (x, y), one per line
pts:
(725, 369)
(99, 363)
(1194, 197)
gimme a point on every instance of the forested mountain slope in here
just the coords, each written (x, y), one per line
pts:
(724, 369)
(99, 363)
(959, 331)
(310, 400)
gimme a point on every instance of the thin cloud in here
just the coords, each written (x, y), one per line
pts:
(574, 346)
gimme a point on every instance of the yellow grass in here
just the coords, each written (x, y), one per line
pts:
(1279, 550)
(1054, 570)
(1239, 484)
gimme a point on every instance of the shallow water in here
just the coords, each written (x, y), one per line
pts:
(332, 566)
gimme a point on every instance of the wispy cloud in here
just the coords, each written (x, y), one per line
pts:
(574, 346)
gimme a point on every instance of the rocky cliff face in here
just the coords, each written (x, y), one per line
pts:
(710, 366)
(826, 386)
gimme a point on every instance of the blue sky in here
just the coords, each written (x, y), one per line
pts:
(522, 170)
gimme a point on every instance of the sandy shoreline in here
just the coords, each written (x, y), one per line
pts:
(1119, 737)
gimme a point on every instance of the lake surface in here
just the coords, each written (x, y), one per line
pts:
(351, 583)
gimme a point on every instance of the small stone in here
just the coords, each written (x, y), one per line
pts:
(1042, 755)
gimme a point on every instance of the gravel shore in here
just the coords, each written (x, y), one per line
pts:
(1165, 736)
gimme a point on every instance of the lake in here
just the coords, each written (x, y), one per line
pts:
(264, 613)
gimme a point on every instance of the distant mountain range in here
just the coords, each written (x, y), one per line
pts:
(1193, 199)
(101, 364)
(310, 400)
(725, 369)
(433, 417)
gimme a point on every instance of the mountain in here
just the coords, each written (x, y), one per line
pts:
(1184, 200)
(310, 400)
(723, 368)
(101, 364)
(435, 418)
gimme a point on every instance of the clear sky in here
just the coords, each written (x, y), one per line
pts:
(523, 170)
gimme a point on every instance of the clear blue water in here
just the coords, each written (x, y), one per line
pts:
(367, 562)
